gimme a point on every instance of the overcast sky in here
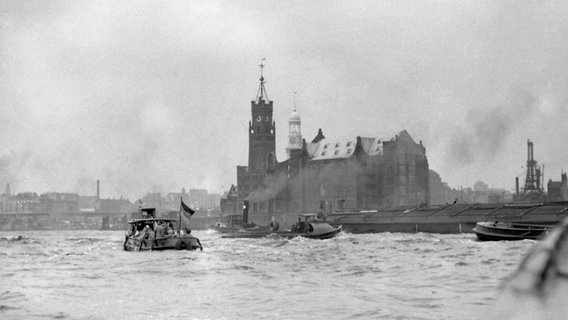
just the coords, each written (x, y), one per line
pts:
(155, 95)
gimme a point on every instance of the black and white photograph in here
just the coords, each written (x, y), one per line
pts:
(247, 159)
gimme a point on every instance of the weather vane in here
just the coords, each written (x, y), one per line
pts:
(261, 65)
(295, 100)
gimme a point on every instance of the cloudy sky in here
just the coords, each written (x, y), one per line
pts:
(155, 95)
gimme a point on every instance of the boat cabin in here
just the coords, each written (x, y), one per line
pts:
(147, 213)
(138, 225)
(304, 222)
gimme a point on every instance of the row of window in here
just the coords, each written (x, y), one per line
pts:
(337, 145)
(266, 130)
(338, 151)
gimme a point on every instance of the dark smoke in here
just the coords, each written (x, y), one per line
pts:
(487, 130)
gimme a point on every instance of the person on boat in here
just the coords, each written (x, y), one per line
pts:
(273, 226)
(144, 233)
(160, 230)
(169, 230)
(151, 236)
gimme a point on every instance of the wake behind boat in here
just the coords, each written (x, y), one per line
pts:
(308, 226)
(497, 230)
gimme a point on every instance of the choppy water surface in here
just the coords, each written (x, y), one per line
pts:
(86, 275)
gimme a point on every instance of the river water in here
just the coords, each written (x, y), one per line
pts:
(87, 275)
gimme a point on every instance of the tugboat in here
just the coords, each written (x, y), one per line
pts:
(497, 230)
(151, 233)
(308, 226)
(232, 223)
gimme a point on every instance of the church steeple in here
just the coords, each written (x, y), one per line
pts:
(262, 130)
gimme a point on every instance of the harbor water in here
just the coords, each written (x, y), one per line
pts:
(87, 275)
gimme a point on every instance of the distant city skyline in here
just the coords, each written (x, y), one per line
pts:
(94, 193)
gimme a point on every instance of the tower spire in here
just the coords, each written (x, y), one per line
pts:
(294, 146)
(295, 101)
(262, 94)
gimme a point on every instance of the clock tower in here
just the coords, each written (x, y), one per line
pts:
(262, 132)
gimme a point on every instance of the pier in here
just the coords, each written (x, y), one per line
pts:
(451, 218)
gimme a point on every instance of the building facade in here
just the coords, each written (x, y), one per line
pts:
(558, 190)
(326, 175)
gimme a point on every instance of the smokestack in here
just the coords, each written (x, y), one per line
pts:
(245, 211)
(517, 184)
(98, 190)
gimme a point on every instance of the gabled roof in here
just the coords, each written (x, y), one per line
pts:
(231, 193)
(372, 146)
(339, 148)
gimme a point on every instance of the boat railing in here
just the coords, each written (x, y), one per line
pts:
(519, 226)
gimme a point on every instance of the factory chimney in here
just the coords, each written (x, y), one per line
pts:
(517, 185)
(98, 190)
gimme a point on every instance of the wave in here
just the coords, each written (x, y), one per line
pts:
(12, 238)
(85, 240)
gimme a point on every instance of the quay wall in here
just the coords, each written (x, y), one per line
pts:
(453, 218)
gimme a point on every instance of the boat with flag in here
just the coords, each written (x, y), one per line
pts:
(149, 232)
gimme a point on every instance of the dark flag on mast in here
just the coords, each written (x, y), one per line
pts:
(187, 209)
(185, 213)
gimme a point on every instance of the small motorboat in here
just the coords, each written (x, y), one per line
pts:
(232, 223)
(141, 234)
(308, 226)
(498, 230)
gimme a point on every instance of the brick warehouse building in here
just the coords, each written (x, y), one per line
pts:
(325, 175)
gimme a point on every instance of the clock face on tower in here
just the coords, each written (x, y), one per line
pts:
(258, 118)
(266, 119)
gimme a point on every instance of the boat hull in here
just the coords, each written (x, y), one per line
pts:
(224, 229)
(490, 231)
(132, 243)
(327, 234)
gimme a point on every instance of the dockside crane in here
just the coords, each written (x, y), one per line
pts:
(534, 179)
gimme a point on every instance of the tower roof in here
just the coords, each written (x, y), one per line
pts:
(294, 116)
